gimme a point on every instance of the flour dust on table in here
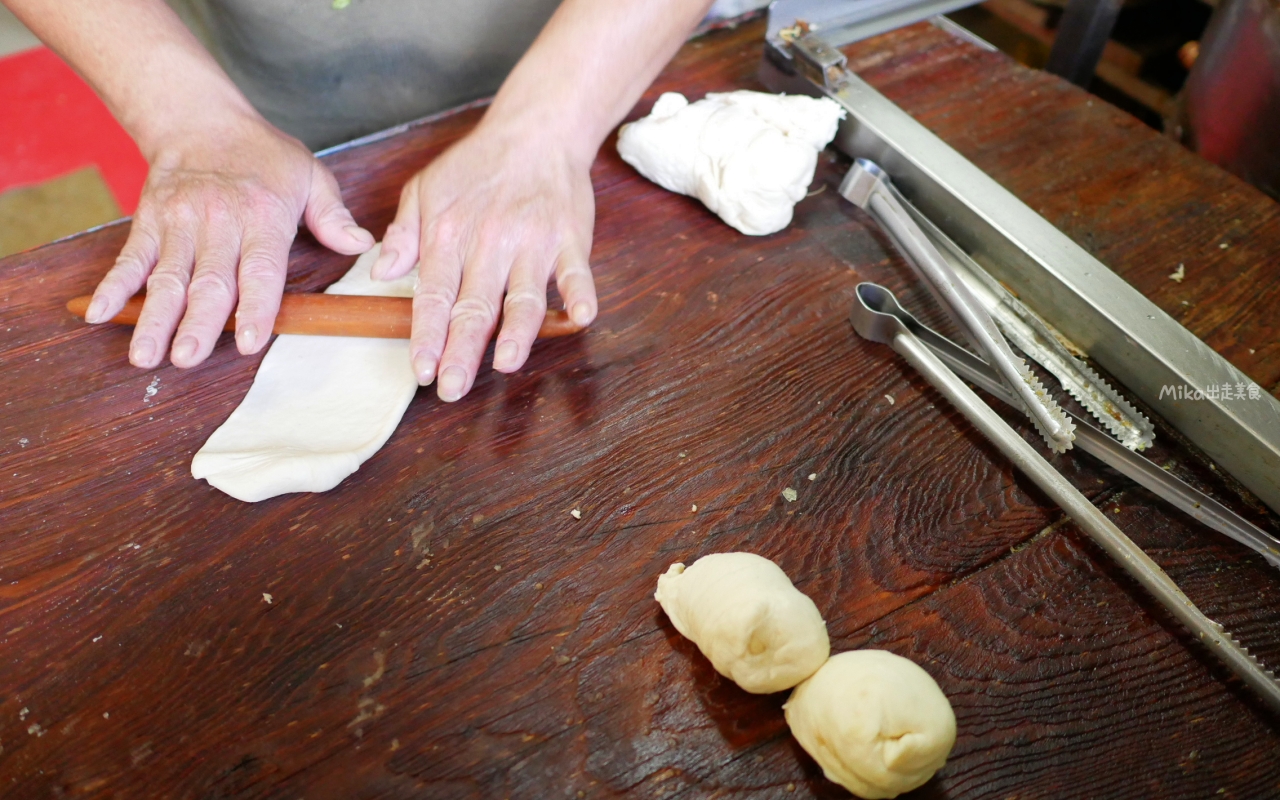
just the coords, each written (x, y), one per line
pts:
(318, 408)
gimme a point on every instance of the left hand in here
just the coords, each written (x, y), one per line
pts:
(488, 223)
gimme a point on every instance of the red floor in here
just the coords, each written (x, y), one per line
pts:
(52, 123)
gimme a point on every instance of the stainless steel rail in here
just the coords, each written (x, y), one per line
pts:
(1156, 358)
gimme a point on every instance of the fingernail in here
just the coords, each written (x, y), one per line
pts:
(449, 387)
(385, 259)
(97, 310)
(185, 348)
(581, 314)
(142, 352)
(504, 357)
(247, 338)
(356, 232)
(424, 366)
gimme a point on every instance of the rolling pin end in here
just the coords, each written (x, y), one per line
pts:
(558, 323)
(79, 305)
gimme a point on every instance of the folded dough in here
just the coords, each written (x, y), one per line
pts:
(318, 407)
(744, 614)
(875, 722)
(748, 156)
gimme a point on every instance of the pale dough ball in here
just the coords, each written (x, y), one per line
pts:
(748, 156)
(743, 613)
(875, 722)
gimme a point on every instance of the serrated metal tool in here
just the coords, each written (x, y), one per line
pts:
(868, 187)
(872, 320)
(1165, 485)
(1035, 337)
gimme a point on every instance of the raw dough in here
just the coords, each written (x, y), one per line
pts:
(319, 406)
(749, 156)
(875, 722)
(743, 613)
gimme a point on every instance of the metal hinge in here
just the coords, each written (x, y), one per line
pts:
(819, 61)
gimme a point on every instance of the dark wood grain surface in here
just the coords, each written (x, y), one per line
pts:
(440, 626)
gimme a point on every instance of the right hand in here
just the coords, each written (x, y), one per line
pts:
(217, 216)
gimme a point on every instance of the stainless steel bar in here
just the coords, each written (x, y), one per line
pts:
(843, 21)
(1104, 533)
(1159, 360)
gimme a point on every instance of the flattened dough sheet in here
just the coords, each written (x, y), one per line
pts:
(318, 407)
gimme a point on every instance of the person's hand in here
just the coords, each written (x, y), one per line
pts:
(494, 216)
(218, 214)
(489, 222)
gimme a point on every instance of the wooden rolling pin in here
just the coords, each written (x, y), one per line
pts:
(335, 315)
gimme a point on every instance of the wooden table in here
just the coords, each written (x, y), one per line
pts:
(440, 625)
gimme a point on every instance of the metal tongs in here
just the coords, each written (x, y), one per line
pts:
(868, 187)
(876, 301)
(1040, 341)
(878, 317)
(965, 289)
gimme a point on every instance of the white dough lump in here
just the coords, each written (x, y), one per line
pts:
(749, 156)
(746, 617)
(875, 722)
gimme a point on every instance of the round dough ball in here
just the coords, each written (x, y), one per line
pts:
(743, 613)
(875, 722)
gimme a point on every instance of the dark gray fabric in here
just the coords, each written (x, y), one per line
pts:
(328, 75)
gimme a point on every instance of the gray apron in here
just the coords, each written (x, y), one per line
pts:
(327, 75)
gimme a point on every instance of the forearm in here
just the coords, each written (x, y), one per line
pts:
(590, 65)
(157, 79)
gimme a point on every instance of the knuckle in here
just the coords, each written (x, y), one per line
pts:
(267, 205)
(166, 283)
(442, 231)
(494, 229)
(511, 239)
(218, 209)
(411, 189)
(576, 274)
(180, 215)
(211, 283)
(525, 300)
(142, 233)
(156, 195)
(254, 303)
(428, 295)
(126, 265)
(258, 268)
(474, 309)
(115, 283)
(570, 261)
(398, 229)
